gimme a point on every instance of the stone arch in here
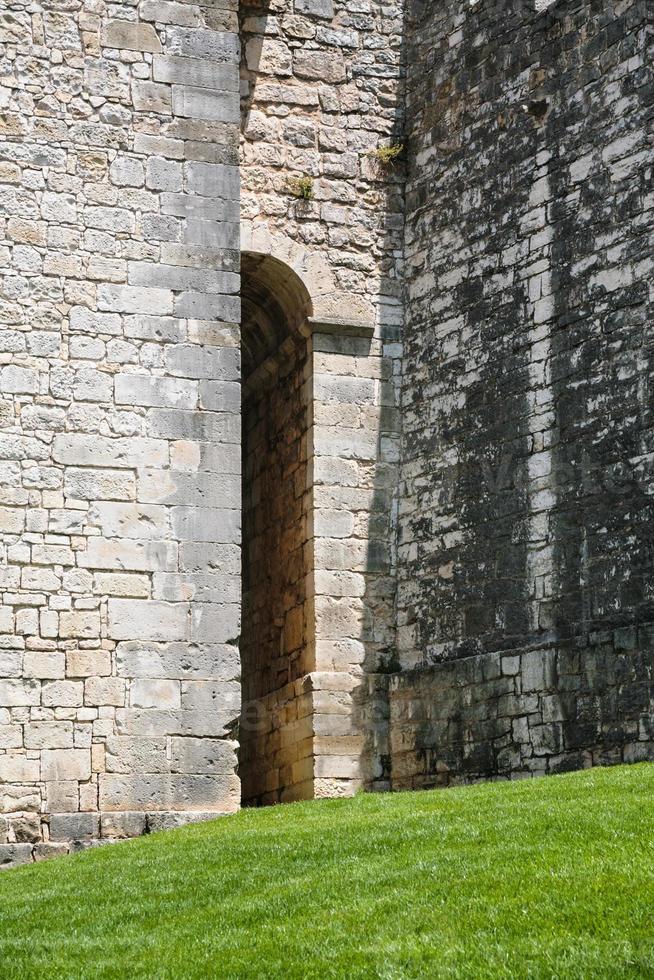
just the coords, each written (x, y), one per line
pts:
(275, 305)
(312, 269)
(305, 423)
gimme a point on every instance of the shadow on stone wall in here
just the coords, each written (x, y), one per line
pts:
(525, 518)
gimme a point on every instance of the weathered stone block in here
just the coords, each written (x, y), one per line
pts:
(13, 855)
(130, 619)
(165, 792)
(155, 693)
(200, 755)
(65, 764)
(122, 825)
(74, 826)
(130, 35)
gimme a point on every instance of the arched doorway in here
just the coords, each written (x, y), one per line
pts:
(276, 641)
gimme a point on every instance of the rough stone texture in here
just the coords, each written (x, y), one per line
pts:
(114, 472)
(275, 642)
(525, 522)
(322, 92)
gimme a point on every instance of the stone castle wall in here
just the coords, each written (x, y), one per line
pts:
(525, 528)
(119, 431)
(322, 92)
(120, 674)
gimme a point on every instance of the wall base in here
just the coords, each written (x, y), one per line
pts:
(28, 837)
(525, 712)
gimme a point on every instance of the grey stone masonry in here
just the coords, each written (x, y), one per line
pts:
(525, 521)
(119, 466)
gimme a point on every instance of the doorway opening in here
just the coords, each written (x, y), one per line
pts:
(275, 762)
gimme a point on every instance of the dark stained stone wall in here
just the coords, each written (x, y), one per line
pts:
(526, 525)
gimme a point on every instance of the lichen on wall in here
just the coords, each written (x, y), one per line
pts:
(524, 524)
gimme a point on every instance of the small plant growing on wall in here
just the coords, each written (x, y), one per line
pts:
(387, 156)
(302, 187)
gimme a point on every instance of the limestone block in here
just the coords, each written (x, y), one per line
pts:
(126, 520)
(17, 693)
(17, 768)
(130, 619)
(155, 328)
(213, 46)
(18, 380)
(110, 220)
(338, 767)
(121, 586)
(130, 35)
(88, 450)
(92, 386)
(182, 278)
(134, 299)
(213, 661)
(213, 180)
(215, 623)
(84, 625)
(196, 72)
(220, 396)
(44, 663)
(49, 849)
(65, 764)
(324, 66)
(202, 427)
(96, 484)
(86, 663)
(62, 797)
(201, 695)
(11, 736)
(538, 670)
(151, 97)
(197, 588)
(164, 175)
(146, 791)
(157, 822)
(155, 693)
(127, 754)
(122, 825)
(206, 524)
(104, 691)
(60, 208)
(62, 694)
(200, 755)
(202, 103)
(196, 489)
(74, 826)
(136, 556)
(13, 855)
(315, 8)
(83, 320)
(169, 12)
(269, 56)
(327, 387)
(126, 172)
(49, 735)
(26, 828)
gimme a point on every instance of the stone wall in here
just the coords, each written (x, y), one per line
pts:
(322, 93)
(119, 418)
(276, 641)
(525, 527)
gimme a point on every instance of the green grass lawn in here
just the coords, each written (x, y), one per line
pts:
(543, 878)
